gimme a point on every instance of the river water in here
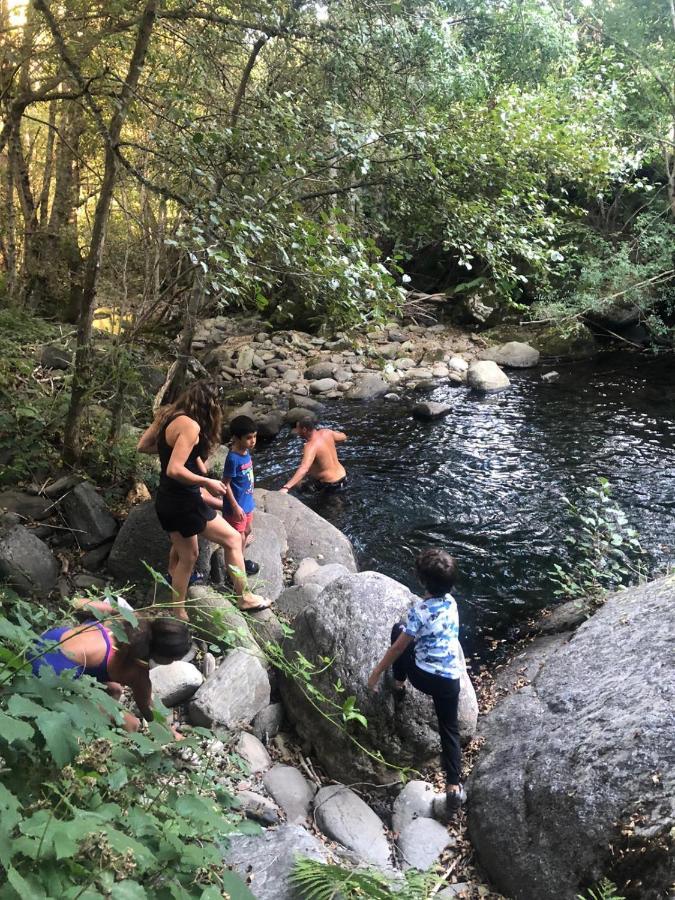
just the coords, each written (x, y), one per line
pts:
(487, 481)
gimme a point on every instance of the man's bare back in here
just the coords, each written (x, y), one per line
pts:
(319, 458)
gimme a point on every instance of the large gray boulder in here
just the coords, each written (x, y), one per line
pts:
(577, 777)
(342, 815)
(267, 550)
(234, 694)
(368, 387)
(28, 506)
(487, 377)
(88, 516)
(513, 355)
(308, 533)
(26, 562)
(291, 791)
(350, 622)
(140, 539)
(267, 860)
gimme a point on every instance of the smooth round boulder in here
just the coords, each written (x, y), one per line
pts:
(513, 355)
(486, 376)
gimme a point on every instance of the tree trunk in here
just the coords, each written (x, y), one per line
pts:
(82, 371)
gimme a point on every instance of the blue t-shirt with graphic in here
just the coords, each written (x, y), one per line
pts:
(434, 624)
(239, 469)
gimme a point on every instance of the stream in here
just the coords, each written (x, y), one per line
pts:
(487, 481)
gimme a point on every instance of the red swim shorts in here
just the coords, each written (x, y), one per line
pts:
(240, 525)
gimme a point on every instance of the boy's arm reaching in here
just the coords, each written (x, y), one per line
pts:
(401, 643)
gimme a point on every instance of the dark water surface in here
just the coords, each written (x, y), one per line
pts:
(486, 482)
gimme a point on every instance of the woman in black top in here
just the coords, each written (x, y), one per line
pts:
(183, 434)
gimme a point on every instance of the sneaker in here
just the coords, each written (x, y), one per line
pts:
(454, 800)
(252, 568)
(195, 578)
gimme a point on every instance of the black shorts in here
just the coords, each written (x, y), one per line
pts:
(328, 487)
(185, 513)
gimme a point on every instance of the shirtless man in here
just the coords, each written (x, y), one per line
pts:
(319, 458)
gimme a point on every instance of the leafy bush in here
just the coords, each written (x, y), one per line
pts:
(607, 549)
(604, 890)
(87, 810)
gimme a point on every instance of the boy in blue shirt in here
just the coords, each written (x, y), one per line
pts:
(426, 651)
(238, 503)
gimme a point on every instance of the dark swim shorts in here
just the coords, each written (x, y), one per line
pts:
(329, 487)
(185, 513)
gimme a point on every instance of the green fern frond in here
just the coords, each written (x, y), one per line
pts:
(321, 881)
(603, 890)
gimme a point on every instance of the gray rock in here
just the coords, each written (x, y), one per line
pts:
(55, 357)
(577, 777)
(404, 363)
(564, 617)
(259, 808)
(291, 791)
(59, 487)
(351, 623)
(368, 387)
(175, 683)
(26, 562)
(463, 890)
(342, 815)
(421, 842)
(392, 397)
(323, 385)
(307, 403)
(92, 560)
(253, 752)
(550, 377)
(458, 364)
(523, 667)
(294, 414)
(141, 538)
(295, 599)
(514, 355)
(268, 860)
(324, 575)
(28, 506)
(486, 376)
(269, 424)
(430, 409)
(267, 723)
(399, 337)
(415, 801)
(306, 567)
(421, 374)
(234, 694)
(266, 550)
(308, 533)
(245, 358)
(320, 370)
(87, 514)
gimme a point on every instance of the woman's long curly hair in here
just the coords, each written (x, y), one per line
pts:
(201, 402)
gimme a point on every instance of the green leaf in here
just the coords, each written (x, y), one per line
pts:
(25, 890)
(232, 885)
(14, 729)
(59, 737)
(128, 890)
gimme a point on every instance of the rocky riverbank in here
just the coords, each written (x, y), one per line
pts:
(573, 774)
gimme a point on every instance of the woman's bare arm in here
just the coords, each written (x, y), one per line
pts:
(148, 440)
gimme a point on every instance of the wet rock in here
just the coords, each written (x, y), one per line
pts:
(415, 801)
(550, 377)
(514, 354)
(404, 364)
(342, 815)
(308, 533)
(291, 791)
(581, 763)
(27, 506)
(392, 398)
(268, 722)
(295, 599)
(295, 414)
(175, 683)
(421, 842)
(26, 562)
(429, 410)
(268, 860)
(368, 387)
(269, 424)
(88, 515)
(486, 376)
(234, 694)
(253, 752)
(458, 364)
(351, 623)
(307, 403)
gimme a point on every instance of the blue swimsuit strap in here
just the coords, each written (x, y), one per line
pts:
(100, 671)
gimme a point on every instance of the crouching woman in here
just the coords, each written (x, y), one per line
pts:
(92, 649)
